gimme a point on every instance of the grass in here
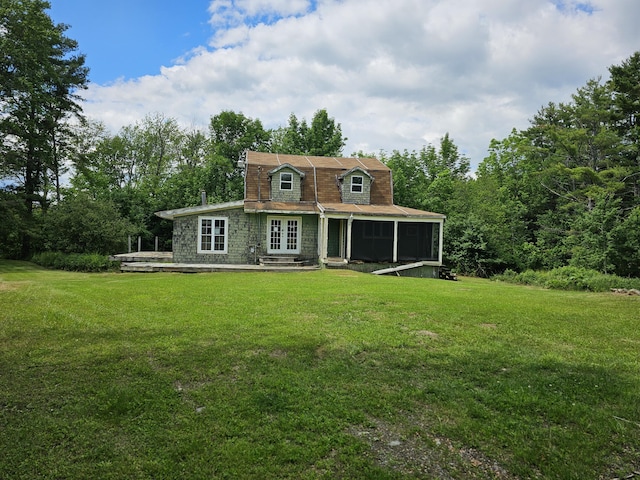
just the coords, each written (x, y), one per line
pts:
(327, 374)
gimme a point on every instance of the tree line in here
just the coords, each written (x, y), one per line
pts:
(564, 191)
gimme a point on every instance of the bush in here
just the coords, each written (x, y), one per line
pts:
(76, 262)
(570, 278)
(81, 224)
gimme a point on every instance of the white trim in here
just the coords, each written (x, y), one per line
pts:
(213, 235)
(359, 185)
(395, 241)
(289, 182)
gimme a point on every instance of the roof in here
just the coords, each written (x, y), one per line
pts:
(377, 210)
(307, 161)
(320, 192)
(322, 176)
(198, 209)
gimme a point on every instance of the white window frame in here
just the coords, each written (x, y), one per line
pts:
(283, 235)
(359, 186)
(286, 182)
(213, 235)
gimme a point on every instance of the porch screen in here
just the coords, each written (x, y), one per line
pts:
(372, 241)
(416, 242)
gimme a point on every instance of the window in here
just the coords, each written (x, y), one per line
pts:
(286, 181)
(212, 234)
(356, 184)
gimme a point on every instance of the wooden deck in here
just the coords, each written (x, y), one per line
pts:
(163, 262)
(208, 267)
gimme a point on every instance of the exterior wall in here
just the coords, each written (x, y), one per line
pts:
(359, 198)
(247, 239)
(293, 195)
(241, 237)
(308, 242)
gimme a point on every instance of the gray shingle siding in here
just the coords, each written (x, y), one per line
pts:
(358, 198)
(246, 232)
(293, 195)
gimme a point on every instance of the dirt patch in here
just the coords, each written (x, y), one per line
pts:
(488, 325)
(278, 353)
(411, 450)
(12, 286)
(426, 333)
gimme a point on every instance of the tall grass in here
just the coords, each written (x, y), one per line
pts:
(570, 278)
(326, 374)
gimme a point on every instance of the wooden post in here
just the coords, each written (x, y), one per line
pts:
(156, 244)
(139, 243)
(129, 243)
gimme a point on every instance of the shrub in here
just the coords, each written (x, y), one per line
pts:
(76, 262)
(570, 278)
(81, 224)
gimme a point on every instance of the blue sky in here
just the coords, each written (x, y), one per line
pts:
(396, 74)
(131, 38)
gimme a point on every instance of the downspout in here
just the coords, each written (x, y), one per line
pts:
(259, 182)
(315, 184)
(322, 231)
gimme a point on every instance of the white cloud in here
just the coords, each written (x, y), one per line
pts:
(395, 73)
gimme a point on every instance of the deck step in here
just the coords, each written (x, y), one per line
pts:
(281, 261)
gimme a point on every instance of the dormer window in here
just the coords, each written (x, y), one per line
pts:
(356, 184)
(286, 181)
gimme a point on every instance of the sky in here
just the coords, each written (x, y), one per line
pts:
(396, 74)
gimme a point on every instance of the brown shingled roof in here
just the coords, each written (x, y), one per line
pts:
(321, 176)
(306, 161)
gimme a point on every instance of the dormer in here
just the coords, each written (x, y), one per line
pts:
(286, 183)
(355, 186)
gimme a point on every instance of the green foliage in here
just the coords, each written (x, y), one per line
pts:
(14, 224)
(569, 278)
(39, 78)
(75, 262)
(323, 138)
(467, 249)
(80, 224)
(565, 190)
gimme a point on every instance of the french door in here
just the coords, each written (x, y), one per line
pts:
(284, 235)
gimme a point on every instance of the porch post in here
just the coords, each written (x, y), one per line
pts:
(323, 231)
(349, 222)
(395, 241)
(440, 241)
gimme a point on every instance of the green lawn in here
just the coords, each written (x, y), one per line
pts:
(327, 374)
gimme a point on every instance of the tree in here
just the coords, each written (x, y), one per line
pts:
(230, 134)
(625, 87)
(409, 177)
(323, 138)
(40, 74)
(81, 224)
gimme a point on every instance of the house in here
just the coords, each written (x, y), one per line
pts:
(314, 209)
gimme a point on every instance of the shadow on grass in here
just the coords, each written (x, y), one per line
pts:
(165, 402)
(18, 266)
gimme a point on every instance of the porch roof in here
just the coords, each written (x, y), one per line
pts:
(378, 210)
(198, 209)
(280, 207)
